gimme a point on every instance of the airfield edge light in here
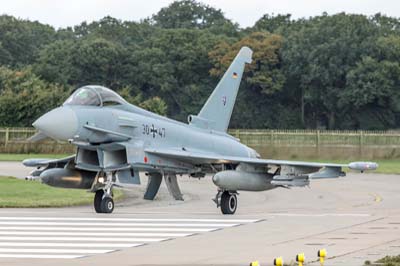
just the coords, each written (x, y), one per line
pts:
(278, 261)
(322, 254)
(300, 258)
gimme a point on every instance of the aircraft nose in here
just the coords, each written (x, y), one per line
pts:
(60, 123)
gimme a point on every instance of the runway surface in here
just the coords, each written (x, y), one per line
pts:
(355, 218)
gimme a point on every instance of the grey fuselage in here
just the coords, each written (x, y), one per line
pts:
(147, 131)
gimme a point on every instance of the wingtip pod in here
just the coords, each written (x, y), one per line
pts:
(35, 162)
(246, 54)
(29, 162)
(363, 166)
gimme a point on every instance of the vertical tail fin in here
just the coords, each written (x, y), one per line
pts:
(216, 112)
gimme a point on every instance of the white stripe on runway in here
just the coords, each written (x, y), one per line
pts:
(119, 224)
(75, 237)
(320, 214)
(102, 229)
(57, 233)
(130, 219)
(36, 256)
(54, 250)
(96, 239)
(77, 245)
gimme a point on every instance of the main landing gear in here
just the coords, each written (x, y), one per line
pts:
(227, 200)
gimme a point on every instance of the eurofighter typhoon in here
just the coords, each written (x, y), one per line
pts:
(116, 140)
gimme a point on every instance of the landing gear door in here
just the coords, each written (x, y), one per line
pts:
(134, 152)
(128, 177)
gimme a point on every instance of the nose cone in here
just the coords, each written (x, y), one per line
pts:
(60, 123)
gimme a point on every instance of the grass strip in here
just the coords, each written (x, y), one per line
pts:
(386, 261)
(17, 193)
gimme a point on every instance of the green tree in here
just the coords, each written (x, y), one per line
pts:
(55, 62)
(82, 62)
(21, 40)
(174, 65)
(154, 104)
(98, 61)
(273, 24)
(114, 30)
(372, 96)
(24, 97)
(190, 14)
(338, 71)
(317, 56)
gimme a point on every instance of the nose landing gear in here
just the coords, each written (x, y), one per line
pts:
(103, 202)
(103, 199)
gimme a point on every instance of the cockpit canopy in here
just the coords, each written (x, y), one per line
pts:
(94, 95)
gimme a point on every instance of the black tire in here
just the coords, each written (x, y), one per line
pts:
(97, 200)
(107, 205)
(228, 203)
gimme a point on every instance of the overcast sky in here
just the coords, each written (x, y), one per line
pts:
(63, 13)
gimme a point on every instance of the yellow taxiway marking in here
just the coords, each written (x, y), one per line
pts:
(377, 198)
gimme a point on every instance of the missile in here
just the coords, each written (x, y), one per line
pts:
(287, 181)
(363, 166)
(239, 180)
(68, 178)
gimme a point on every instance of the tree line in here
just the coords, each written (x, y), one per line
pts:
(337, 71)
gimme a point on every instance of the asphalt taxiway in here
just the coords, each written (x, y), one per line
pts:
(356, 218)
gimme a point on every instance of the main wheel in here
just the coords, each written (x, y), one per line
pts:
(228, 203)
(97, 200)
(107, 205)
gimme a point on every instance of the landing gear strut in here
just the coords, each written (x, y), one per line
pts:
(227, 200)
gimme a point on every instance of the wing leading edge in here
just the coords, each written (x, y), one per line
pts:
(201, 157)
(46, 162)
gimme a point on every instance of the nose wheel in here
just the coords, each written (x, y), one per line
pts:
(103, 202)
(227, 200)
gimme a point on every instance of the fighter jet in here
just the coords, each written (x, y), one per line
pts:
(116, 140)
